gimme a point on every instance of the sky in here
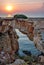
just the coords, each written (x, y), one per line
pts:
(31, 8)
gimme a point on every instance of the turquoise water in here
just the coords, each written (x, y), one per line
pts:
(26, 44)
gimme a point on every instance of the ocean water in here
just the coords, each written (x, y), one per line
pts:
(26, 44)
(42, 34)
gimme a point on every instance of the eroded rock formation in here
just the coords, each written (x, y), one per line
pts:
(8, 43)
(39, 35)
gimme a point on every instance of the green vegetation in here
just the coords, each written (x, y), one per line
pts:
(20, 16)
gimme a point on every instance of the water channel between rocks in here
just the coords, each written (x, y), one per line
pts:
(25, 44)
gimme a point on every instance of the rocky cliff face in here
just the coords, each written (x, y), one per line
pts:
(8, 44)
(5, 42)
(39, 35)
(8, 37)
(39, 38)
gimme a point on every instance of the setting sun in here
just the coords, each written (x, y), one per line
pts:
(9, 8)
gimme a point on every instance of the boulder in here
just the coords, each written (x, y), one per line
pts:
(42, 59)
(18, 62)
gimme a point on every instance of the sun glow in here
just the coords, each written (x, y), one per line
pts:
(9, 8)
(9, 15)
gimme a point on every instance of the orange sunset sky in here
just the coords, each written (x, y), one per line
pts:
(27, 7)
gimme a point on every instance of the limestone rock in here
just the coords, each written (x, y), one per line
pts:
(19, 62)
(13, 39)
(8, 46)
(5, 42)
(42, 58)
